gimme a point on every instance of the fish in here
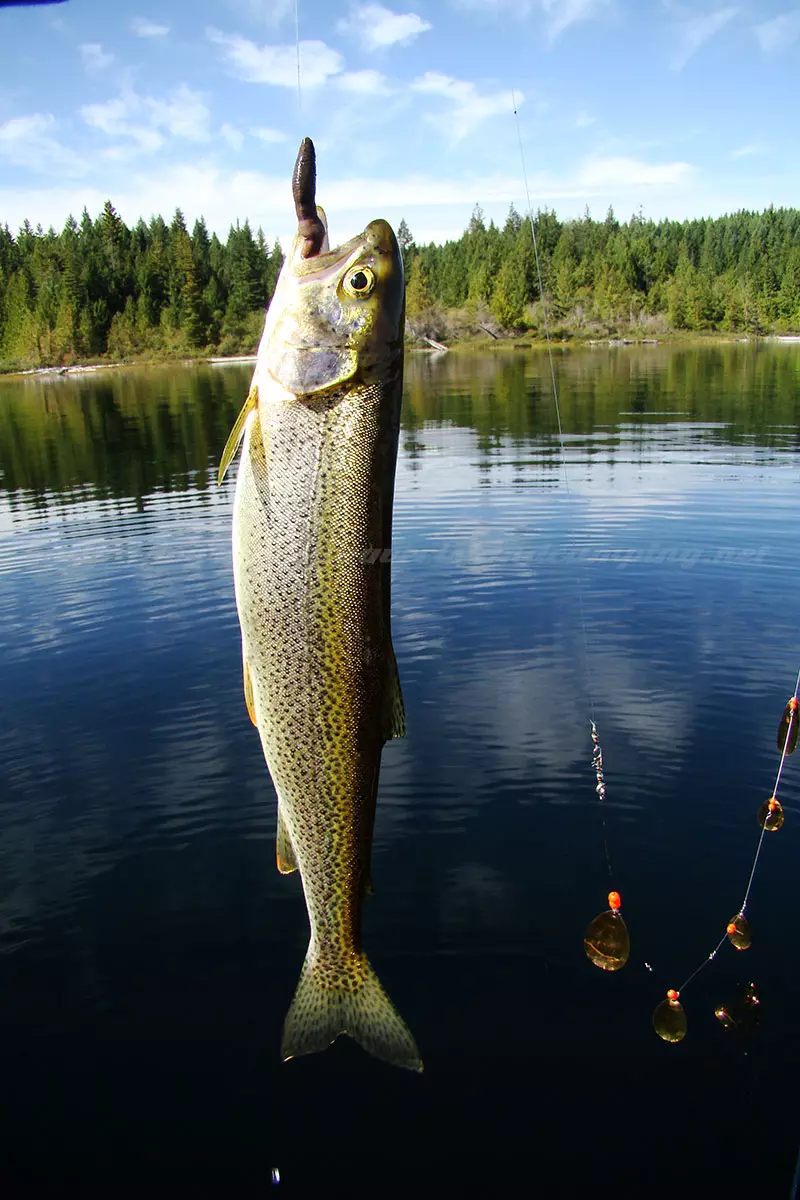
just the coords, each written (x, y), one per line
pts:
(312, 530)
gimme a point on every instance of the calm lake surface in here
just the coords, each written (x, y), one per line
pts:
(148, 947)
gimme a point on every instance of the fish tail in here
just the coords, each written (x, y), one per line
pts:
(321, 1011)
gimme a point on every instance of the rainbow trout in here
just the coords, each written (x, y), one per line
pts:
(312, 521)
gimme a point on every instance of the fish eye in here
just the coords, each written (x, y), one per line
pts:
(360, 283)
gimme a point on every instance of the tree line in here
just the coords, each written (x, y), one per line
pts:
(101, 289)
(738, 273)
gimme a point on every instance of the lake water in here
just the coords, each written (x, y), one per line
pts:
(148, 947)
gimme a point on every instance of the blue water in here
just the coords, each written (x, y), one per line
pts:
(148, 947)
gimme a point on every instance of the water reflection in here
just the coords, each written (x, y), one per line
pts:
(136, 867)
(741, 394)
(114, 433)
(132, 432)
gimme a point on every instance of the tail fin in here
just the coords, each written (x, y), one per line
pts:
(320, 1013)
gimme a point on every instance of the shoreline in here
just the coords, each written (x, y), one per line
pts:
(494, 345)
(675, 338)
(92, 367)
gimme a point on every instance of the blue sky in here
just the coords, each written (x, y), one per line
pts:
(683, 109)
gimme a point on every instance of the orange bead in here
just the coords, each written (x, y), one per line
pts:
(793, 703)
(730, 929)
(672, 994)
(773, 803)
(614, 901)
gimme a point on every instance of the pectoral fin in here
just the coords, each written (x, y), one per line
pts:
(232, 444)
(249, 699)
(284, 853)
(394, 713)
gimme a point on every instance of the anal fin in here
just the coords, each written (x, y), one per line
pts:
(284, 853)
(394, 713)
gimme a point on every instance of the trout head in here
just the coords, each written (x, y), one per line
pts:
(336, 318)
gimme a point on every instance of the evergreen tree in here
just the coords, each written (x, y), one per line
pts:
(276, 260)
(405, 240)
(509, 295)
(19, 345)
(418, 293)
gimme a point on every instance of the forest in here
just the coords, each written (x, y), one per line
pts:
(156, 291)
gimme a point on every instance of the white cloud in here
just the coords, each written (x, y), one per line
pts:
(584, 120)
(20, 129)
(693, 33)
(197, 188)
(780, 33)
(621, 172)
(183, 113)
(749, 149)
(563, 13)
(364, 82)
(277, 65)
(519, 8)
(147, 29)
(270, 136)
(559, 14)
(94, 56)
(110, 116)
(469, 106)
(266, 12)
(114, 119)
(28, 142)
(379, 27)
(412, 191)
(234, 137)
(144, 120)
(437, 205)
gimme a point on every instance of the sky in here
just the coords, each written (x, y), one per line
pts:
(676, 109)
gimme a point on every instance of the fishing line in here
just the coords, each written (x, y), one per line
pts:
(554, 385)
(297, 44)
(597, 750)
(541, 289)
(607, 943)
(771, 819)
(784, 753)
